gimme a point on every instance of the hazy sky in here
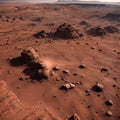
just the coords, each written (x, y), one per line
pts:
(56, 0)
(88, 0)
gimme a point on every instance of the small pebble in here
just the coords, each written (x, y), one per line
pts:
(67, 86)
(114, 85)
(21, 78)
(104, 69)
(109, 113)
(56, 68)
(109, 102)
(92, 47)
(66, 71)
(98, 87)
(82, 66)
(52, 73)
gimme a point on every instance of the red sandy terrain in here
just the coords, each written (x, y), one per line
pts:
(59, 60)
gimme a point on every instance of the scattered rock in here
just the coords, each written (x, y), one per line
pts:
(86, 43)
(75, 74)
(9, 58)
(41, 118)
(74, 117)
(98, 87)
(92, 47)
(9, 72)
(56, 68)
(32, 25)
(109, 113)
(52, 73)
(49, 24)
(104, 69)
(38, 19)
(57, 79)
(114, 85)
(115, 78)
(42, 34)
(82, 66)
(21, 78)
(66, 71)
(77, 82)
(109, 102)
(18, 87)
(98, 95)
(81, 83)
(100, 50)
(82, 76)
(87, 91)
(66, 31)
(118, 52)
(67, 86)
(81, 35)
(83, 23)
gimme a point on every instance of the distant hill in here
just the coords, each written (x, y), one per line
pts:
(68, 1)
(76, 1)
(87, 2)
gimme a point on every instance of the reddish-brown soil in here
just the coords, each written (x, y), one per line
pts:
(87, 62)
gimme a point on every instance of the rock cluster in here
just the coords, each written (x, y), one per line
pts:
(30, 54)
(101, 31)
(111, 29)
(66, 31)
(97, 31)
(36, 68)
(67, 86)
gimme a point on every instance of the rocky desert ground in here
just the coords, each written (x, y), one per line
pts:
(59, 62)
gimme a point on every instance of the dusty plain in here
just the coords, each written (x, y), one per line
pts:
(84, 61)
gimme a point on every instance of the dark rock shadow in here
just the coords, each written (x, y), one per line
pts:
(96, 89)
(38, 19)
(19, 61)
(63, 88)
(35, 71)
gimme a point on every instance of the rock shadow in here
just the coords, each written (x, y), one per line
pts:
(19, 61)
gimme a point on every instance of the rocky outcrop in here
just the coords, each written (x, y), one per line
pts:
(97, 31)
(66, 31)
(9, 103)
